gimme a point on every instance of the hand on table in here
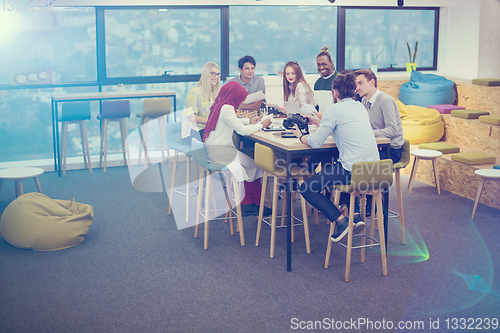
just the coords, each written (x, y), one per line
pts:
(266, 122)
(255, 119)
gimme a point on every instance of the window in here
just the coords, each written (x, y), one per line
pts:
(47, 47)
(274, 35)
(150, 42)
(379, 36)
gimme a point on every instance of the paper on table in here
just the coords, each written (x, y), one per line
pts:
(269, 116)
(308, 109)
(276, 106)
(256, 96)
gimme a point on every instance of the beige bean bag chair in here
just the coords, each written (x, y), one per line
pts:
(35, 221)
(420, 125)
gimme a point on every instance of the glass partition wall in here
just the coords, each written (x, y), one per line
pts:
(90, 49)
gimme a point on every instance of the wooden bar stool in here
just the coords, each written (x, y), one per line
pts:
(265, 158)
(18, 175)
(486, 174)
(154, 108)
(75, 113)
(207, 169)
(113, 111)
(424, 154)
(366, 178)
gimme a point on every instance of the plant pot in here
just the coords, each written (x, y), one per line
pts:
(374, 68)
(411, 66)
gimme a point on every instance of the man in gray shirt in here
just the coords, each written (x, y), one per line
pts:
(383, 112)
(249, 81)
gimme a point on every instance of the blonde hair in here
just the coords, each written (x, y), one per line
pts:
(208, 91)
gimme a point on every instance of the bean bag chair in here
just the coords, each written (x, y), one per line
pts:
(427, 89)
(420, 125)
(35, 221)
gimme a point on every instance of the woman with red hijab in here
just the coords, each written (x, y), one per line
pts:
(218, 138)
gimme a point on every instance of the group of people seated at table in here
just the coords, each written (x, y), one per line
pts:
(349, 107)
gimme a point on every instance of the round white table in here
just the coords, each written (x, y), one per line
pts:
(486, 174)
(18, 175)
(424, 154)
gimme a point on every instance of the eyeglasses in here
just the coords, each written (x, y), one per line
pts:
(215, 74)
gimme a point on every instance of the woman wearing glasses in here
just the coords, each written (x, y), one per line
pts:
(200, 98)
(295, 87)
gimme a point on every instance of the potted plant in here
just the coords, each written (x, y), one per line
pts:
(411, 66)
(373, 65)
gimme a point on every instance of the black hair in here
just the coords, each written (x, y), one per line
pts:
(345, 84)
(244, 60)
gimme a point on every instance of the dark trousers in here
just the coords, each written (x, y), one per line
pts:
(331, 174)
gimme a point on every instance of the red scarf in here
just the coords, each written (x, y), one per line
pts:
(232, 93)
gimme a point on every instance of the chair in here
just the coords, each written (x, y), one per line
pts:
(174, 141)
(403, 162)
(366, 178)
(199, 154)
(153, 108)
(75, 113)
(265, 159)
(113, 111)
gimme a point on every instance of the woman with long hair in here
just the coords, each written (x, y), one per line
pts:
(295, 87)
(348, 123)
(218, 138)
(198, 102)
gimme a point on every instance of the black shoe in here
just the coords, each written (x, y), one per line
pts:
(267, 211)
(342, 228)
(249, 210)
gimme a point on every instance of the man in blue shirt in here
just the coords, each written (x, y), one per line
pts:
(347, 122)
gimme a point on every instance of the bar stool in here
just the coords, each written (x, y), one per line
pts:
(113, 111)
(153, 108)
(199, 154)
(75, 113)
(174, 141)
(425, 154)
(486, 174)
(403, 162)
(265, 158)
(366, 178)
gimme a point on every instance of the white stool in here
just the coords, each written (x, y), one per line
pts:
(18, 174)
(486, 174)
(424, 154)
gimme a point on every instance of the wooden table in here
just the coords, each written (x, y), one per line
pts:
(96, 96)
(424, 154)
(292, 147)
(18, 175)
(486, 174)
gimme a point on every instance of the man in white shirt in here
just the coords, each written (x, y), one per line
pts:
(383, 111)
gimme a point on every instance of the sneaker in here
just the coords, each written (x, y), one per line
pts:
(249, 210)
(342, 228)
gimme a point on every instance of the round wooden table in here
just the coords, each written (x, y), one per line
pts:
(486, 174)
(424, 154)
(18, 175)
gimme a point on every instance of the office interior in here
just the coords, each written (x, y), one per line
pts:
(137, 271)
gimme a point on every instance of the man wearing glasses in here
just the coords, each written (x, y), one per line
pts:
(249, 81)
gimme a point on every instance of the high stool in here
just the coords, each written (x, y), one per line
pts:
(75, 113)
(174, 141)
(486, 174)
(265, 159)
(424, 154)
(199, 154)
(154, 108)
(18, 175)
(366, 178)
(113, 111)
(403, 162)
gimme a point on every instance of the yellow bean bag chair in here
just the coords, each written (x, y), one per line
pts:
(35, 221)
(420, 125)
